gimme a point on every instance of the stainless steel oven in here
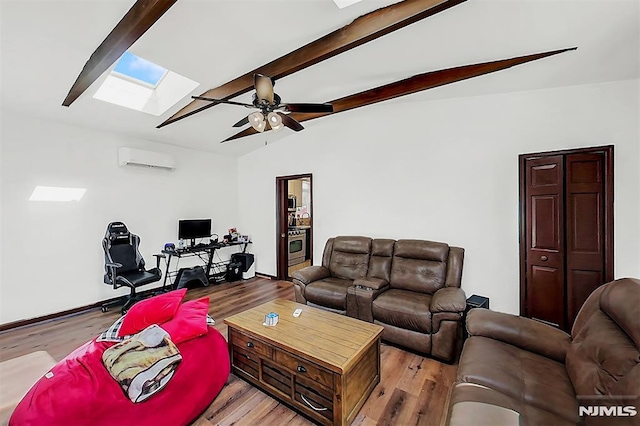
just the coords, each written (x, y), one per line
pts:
(297, 247)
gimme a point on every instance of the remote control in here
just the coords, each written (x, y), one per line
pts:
(297, 312)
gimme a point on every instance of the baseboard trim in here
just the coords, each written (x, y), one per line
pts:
(74, 311)
(56, 315)
(271, 277)
(68, 312)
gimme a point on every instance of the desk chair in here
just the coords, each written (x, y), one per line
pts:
(124, 265)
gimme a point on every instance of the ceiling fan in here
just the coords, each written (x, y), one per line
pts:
(271, 109)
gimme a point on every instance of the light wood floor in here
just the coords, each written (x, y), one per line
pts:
(299, 266)
(413, 390)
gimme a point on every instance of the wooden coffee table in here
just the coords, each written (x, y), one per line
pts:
(322, 364)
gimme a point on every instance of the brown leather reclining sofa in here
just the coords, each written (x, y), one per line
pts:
(517, 371)
(410, 287)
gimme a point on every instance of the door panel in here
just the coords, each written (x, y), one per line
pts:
(585, 221)
(583, 284)
(547, 287)
(585, 228)
(545, 234)
(544, 193)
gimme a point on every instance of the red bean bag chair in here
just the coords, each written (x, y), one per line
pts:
(79, 389)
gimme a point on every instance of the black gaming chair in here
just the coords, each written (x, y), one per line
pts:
(123, 264)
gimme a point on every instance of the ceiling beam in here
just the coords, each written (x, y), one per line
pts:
(414, 84)
(142, 15)
(362, 30)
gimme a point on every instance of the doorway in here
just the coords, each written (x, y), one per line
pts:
(294, 223)
(566, 231)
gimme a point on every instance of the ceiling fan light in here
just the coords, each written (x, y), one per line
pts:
(275, 121)
(256, 119)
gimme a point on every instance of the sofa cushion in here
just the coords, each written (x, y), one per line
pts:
(404, 309)
(350, 257)
(419, 266)
(330, 292)
(527, 377)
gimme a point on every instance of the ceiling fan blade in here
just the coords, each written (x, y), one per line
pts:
(242, 122)
(290, 122)
(264, 87)
(308, 107)
(222, 101)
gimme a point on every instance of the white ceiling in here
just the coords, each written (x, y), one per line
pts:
(45, 44)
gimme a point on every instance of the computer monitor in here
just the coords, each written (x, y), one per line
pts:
(194, 228)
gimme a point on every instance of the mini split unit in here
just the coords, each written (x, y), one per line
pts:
(139, 157)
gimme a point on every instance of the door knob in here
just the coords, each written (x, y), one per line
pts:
(544, 258)
(282, 235)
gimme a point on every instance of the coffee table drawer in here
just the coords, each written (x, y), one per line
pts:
(314, 398)
(250, 345)
(249, 363)
(304, 368)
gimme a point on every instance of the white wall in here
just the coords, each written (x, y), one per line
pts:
(447, 171)
(52, 258)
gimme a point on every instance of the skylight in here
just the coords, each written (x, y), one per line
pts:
(139, 84)
(139, 69)
(56, 193)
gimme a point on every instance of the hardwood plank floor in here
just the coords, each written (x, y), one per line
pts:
(413, 390)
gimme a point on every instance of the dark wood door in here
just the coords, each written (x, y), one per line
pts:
(545, 239)
(566, 231)
(585, 228)
(281, 227)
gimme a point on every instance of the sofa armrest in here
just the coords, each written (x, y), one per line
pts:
(522, 332)
(310, 274)
(306, 276)
(371, 283)
(361, 295)
(448, 299)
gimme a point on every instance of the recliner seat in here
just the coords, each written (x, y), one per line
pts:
(344, 260)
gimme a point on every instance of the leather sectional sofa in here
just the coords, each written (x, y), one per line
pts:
(517, 371)
(410, 287)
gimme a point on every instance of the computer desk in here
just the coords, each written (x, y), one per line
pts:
(204, 252)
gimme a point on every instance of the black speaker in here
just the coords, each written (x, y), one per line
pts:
(234, 271)
(246, 259)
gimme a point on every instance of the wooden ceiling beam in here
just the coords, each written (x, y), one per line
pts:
(362, 30)
(414, 84)
(142, 15)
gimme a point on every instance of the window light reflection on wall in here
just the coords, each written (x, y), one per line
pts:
(56, 193)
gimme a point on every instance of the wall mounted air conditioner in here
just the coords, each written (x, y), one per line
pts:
(145, 158)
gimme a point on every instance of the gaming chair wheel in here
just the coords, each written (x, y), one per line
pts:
(104, 309)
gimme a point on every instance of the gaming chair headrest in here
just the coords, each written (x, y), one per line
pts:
(117, 232)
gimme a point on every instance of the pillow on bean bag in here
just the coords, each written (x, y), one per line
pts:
(189, 322)
(155, 310)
